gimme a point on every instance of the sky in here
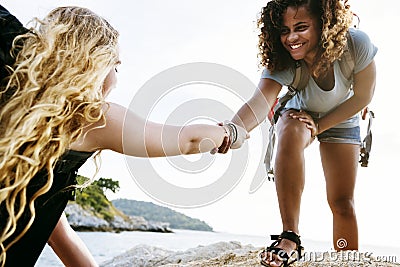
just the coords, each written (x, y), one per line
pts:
(157, 36)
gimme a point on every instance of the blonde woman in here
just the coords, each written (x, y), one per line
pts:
(313, 33)
(54, 117)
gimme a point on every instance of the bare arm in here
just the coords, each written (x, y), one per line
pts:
(69, 247)
(127, 133)
(255, 110)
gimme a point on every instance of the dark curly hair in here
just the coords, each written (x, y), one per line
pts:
(334, 18)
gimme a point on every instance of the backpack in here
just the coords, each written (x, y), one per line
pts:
(299, 82)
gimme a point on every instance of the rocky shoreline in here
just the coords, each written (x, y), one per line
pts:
(220, 254)
(146, 256)
(223, 254)
(85, 220)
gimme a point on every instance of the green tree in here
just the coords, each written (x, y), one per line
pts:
(93, 196)
(108, 183)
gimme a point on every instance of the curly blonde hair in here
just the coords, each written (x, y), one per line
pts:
(334, 18)
(56, 87)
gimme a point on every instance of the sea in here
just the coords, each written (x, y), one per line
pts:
(106, 245)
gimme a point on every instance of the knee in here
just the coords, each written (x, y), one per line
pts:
(293, 134)
(342, 206)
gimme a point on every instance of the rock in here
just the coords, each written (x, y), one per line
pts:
(141, 255)
(158, 227)
(146, 256)
(229, 254)
(137, 223)
(82, 219)
(208, 252)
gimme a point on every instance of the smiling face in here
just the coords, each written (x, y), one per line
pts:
(300, 33)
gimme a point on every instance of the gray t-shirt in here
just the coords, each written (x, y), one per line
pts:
(313, 98)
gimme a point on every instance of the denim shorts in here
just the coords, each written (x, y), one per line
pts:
(337, 135)
(341, 135)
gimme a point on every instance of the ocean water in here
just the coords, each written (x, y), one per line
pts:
(104, 245)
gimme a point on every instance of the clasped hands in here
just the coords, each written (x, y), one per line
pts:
(236, 136)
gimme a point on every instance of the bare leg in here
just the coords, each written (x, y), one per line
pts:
(340, 162)
(293, 138)
(69, 247)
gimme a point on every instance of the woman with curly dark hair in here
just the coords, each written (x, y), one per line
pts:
(314, 33)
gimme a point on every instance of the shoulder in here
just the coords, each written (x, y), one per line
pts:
(283, 77)
(361, 40)
(359, 37)
(364, 49)
(104, 134)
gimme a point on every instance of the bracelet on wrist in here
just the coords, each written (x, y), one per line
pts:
(228, 131)
(234, 131)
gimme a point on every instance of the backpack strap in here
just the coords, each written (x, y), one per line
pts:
(300, 80)
(347, 60)
(268, 159)
(367, 142)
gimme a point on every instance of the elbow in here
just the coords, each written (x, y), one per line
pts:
(369, 95)
(368, 98)
(364, 99)
(196, 139)
(189, 141)
(191, 146)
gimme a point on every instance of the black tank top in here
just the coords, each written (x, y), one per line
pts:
(10, 27)
(48, 207)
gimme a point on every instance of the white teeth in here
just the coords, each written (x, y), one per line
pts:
(296, 46)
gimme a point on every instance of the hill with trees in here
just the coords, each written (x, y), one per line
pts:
(92, 198)
(153, 212)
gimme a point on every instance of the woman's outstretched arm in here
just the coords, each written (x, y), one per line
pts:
(126, 132)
